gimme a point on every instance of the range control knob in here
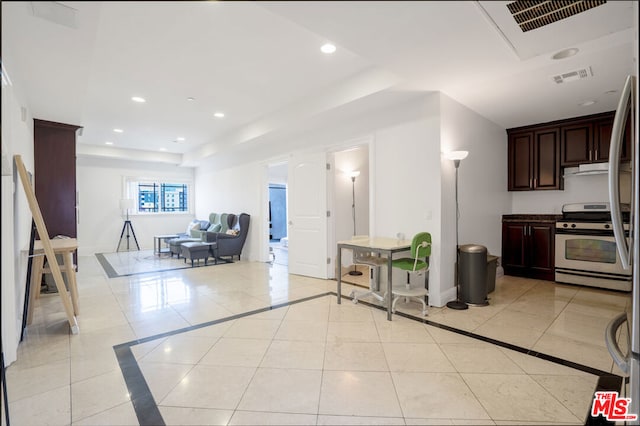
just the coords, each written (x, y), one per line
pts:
(565, 225)
(607, 226)
(573, 225)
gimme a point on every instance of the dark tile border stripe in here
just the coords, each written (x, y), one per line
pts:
(148, 413)
(606, 381)
(112, 273)
(143, 402)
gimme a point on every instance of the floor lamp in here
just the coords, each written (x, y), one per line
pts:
(458, 304)
(353, 175)
(127, 204)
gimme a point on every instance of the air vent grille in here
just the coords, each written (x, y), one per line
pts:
(575, 75)
(532, 14)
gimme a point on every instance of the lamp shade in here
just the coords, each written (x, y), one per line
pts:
(126, 203)
(456, 155)
(354, 174)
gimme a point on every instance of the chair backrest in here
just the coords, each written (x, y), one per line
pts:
(421, 245)
(224, 222)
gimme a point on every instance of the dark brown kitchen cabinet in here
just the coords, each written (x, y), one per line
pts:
(528, 248)
(537, 153)
(602, 139)
(534, 160)
(577, 143)
(587, 140)
(54, 149)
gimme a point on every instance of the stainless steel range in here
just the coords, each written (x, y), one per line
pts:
(586, 251)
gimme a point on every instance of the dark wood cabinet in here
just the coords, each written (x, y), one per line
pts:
(528, 247)
(587, 140)
(537, 153)
(602, 139)
(577, 143)
(54, 148)
(534, 160)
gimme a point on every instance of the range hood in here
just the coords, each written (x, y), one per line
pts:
(593, 169)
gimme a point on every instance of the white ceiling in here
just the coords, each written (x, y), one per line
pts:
(260, 64)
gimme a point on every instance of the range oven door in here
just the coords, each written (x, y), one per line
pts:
(591, 260)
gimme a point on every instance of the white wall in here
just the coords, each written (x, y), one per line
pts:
(577, 189)
(482, 183)
(237, 190)
(17, 139)
(100, 186)
(344, 162)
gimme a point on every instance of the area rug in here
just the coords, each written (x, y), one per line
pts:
(127, 263)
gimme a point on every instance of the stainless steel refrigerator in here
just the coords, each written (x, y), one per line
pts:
(626, 354)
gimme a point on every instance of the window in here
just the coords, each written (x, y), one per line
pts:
(159, 197)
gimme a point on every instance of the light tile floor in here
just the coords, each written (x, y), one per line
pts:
(313, 362)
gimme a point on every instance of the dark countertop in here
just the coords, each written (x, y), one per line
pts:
(531, 217)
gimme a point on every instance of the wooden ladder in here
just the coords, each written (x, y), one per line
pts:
(46, 244)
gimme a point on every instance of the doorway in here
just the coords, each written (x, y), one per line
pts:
(278, 241)
(351, 202)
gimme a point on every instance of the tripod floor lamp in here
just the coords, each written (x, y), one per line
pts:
(353, 175)
(458, 304)
(127, 204)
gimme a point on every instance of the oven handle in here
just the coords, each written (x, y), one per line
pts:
(587, 232)
(619, 123)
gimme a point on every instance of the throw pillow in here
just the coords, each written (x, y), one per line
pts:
(193, 226)
(214, 228)
(232, 232)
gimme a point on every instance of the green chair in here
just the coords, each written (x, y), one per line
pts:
(418, 263)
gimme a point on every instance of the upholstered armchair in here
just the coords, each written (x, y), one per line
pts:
(231, 242)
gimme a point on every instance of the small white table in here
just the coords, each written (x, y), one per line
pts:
(157, 243)
(380, 245)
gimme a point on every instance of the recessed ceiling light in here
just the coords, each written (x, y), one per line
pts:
(108, 143)
(328, 48)
(587, 103)
(118, 130)
(180, 139)
(566, 53)
(191, 99)
(138, 99)
(163, 149)
(219, 114)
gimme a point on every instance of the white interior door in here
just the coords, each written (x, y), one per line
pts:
(307, 226)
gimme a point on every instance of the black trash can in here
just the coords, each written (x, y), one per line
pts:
(473, 274)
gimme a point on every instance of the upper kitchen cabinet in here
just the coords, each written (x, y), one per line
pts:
(534, 159)
(602, 139)
(577, 143)
(586, 139)
(537, 153)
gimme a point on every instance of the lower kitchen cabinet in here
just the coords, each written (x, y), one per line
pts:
(528, 246)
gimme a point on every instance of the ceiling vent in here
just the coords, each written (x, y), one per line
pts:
(571, 76)
(532, 14)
